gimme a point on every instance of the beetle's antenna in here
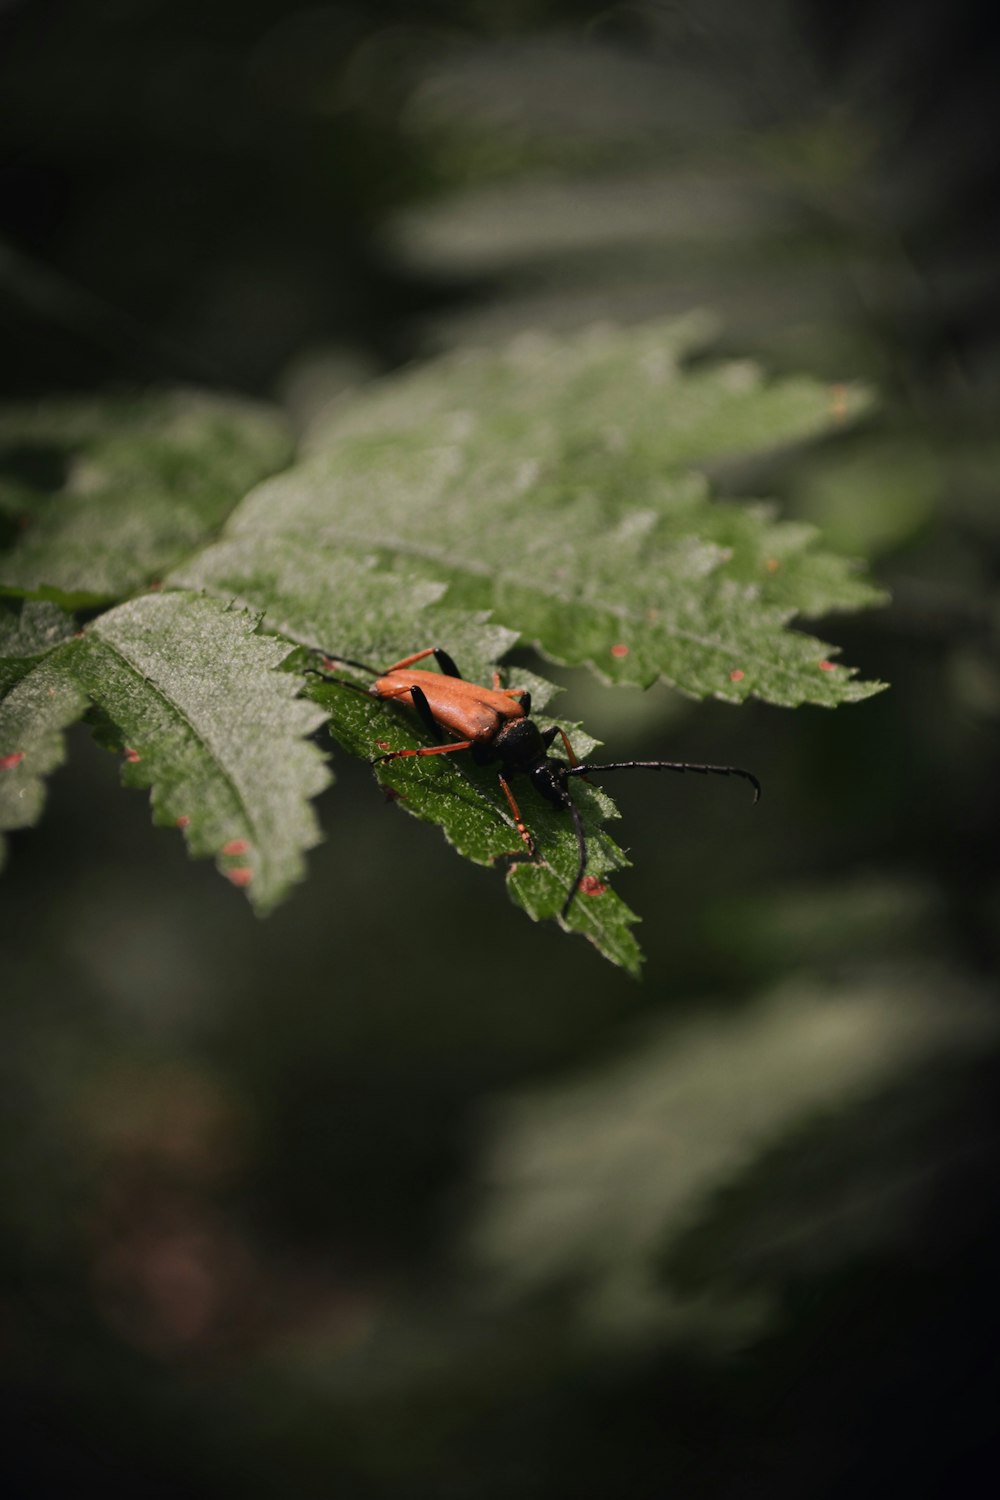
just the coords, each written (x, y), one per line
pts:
(340, 681)
(582, 845)
(362, 666)
(669, 765)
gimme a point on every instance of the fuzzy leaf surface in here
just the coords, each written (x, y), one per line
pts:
(103, 496)
(41, 702)
(557, 483)
(208, 723)
(29, 630)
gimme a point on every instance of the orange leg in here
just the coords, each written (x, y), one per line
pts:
(574, 759)
(507, 692)
(409, 660)
(516, 814)
(424, 750)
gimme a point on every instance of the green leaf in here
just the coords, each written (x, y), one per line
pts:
(553, 483)
(466, 802)
(557, 488)
(505, 483)
(108, 494)
(578, 1196)
(38, 706)
(321, 599)
(217, 733)
(28, 632)
(346, 604)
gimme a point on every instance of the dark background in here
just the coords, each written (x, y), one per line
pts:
(395, 1194)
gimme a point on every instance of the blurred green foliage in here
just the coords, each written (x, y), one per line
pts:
(394, 1195)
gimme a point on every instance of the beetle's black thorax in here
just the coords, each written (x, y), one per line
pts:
(521, 746)
(518, 743)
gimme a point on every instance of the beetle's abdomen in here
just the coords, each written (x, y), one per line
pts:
(464, 709)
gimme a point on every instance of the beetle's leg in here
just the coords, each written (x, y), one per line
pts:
(442, 658)
(408, 661)
(510, 692)
(423, 750)
(548, 735)
(419, 700)
(521, 694)
(446, 663)
(516, 813)
(574, 759)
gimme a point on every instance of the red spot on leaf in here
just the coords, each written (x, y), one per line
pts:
(155, 586)
(619, 651)
(828, 666)
(383, 744)
(391, 795)
(183, 820)
(773, 564)
(8, 762)
(591, 886)
(838, 402)
(240, 875)
(236, 846)
(132, 755)
(736, 675)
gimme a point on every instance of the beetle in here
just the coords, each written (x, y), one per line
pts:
(495, 724)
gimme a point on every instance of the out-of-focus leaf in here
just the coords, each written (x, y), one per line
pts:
(592, 1183)
(552, 483)
(38, 705)
(876, 495)
(107, 494)
(27, 633)
(334, 602)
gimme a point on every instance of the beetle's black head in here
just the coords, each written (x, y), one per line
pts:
(523, 747)
(519, 745)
